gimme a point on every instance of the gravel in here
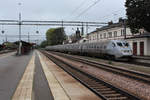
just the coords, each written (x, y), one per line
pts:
(134, 87)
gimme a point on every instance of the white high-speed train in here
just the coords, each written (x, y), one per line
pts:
(113, 49)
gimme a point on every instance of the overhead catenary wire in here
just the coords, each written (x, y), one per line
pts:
(77, 8)
(88, 8)
(110, 15)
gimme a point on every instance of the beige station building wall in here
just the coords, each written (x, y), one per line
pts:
(139, 44)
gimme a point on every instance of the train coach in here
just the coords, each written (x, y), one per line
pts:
(114, 49)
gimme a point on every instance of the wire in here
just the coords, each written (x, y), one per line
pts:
(88, 8)
(24, 36)
(78, 7)
(116, 13)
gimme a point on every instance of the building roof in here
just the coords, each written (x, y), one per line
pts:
(144, 35)
(119, 24)
(23, 43)
(110, 26)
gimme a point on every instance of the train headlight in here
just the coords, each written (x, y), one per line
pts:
(122, 50)
(125, 51)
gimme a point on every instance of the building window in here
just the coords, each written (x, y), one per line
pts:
(104, 35)
(101, 36)
(122, 32)
(115, 33)
(110, 34)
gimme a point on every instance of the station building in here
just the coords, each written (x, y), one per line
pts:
(139, 42)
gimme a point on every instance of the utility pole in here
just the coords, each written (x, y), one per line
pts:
(82, 29)
(20, 44)
(28, 37)
(124, 24)
(6, 37)
(87, 28)
(19, 26)
(62, 25)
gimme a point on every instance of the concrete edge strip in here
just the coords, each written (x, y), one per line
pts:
(24, 89)
(7, 54)
(55, 86)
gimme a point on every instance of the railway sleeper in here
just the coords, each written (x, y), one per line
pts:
(113, 95)
(99, 88)
(105, 89)
(96, 85)
(119, 98)
(107, 92)
(93, 83)
(102, 87)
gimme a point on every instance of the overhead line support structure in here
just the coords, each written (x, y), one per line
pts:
(21, 22)
(53, 24)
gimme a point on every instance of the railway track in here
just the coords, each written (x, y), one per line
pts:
(144, 57)
(103, 89)
(127, 73)
(140, 61)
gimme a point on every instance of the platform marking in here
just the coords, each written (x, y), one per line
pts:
(24, 89)
(55, 87)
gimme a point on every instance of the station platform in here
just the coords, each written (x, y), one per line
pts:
(38, 78)
(11, 70)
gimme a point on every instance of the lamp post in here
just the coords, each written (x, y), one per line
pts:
(28, 37)
(3, 32)
(20, 44)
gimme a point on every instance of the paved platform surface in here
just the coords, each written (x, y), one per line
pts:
(25, 86)
(35, 77)
(41, 90)
(11, 70)
(71, 87)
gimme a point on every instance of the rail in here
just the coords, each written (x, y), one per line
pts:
(103, 89)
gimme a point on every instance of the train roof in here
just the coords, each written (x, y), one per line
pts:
(107, 41)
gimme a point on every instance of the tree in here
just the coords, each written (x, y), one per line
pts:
(138, 13)
(55, 36)
(43, 44)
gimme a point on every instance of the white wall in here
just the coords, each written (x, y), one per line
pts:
(148, 46)
(138, 40)
(99, 35)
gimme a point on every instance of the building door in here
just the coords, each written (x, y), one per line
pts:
(134, 48)
(142, 48)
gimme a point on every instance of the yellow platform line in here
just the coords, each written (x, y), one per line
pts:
(55, 87)
(24, 89)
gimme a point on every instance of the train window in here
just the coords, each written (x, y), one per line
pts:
(104, 47)
(113, 44)
(126, 44)
(119, 44)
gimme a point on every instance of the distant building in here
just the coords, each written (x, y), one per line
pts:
(74, 38)
(82, 40)
(140, 44)
(116, 31)
(1, 47)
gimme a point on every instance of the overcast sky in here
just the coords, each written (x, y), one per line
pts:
(103, 11)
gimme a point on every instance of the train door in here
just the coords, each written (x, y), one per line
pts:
(141, 48)
(134, 48)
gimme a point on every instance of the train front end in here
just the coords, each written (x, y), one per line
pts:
(124, 50)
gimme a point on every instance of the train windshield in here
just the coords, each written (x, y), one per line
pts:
(119, 44)
(126, 44)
